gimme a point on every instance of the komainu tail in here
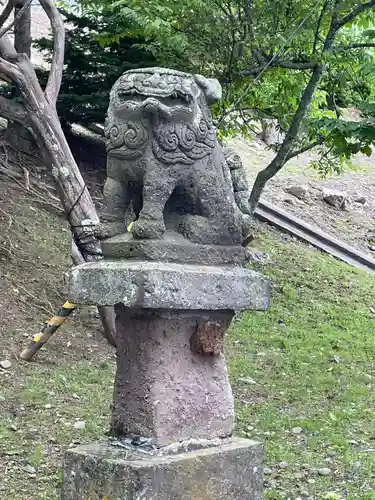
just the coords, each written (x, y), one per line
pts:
(239, 181)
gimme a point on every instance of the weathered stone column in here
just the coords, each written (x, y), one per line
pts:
(175, 282)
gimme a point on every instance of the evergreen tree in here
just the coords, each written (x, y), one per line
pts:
(91, 68)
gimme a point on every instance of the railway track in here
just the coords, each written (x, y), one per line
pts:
(288, 223)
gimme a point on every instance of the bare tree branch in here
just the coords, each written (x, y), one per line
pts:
(355, 12)
(312, 145)
(16, 18)
(316, 38)
(58, 30)
(368, 45)
(253, 71)
(6, 13)
(294, 65)
(297, 65)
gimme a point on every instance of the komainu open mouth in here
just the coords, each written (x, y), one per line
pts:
(168, 98)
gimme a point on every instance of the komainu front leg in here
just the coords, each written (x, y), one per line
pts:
(157, 188)
(116, 203)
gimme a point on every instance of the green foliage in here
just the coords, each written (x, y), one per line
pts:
(93, 63)
(258, 51)
(263, 53)
(343, 139)
(218, 37)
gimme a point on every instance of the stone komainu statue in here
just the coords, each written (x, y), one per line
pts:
(165, 163)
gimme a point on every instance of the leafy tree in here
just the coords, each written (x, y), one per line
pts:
(92, 65)
(295, 61)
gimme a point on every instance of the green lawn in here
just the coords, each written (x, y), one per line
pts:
(311, 357)
(306, 363)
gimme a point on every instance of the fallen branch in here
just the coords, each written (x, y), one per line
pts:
(33, 306)
(29, 294)
(18, 178)
(9, 217)
(27, 179)
(6, 252)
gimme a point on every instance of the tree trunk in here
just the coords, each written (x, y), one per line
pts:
(16, 134)
(74, 196)
(82, 216)
(39, 113)
(22, 29)
(41, 116)
(281, 157)
(285, 150)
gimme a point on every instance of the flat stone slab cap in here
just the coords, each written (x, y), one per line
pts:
(231, 471)
(173, 247)
(157, 285)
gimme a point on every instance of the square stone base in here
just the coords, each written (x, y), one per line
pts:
(230, 471)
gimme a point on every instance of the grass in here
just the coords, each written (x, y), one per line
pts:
(73, 376)
(311, 357)
(308, 362)
(39, 423)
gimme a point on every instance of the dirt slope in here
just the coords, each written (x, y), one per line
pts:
(352, 225)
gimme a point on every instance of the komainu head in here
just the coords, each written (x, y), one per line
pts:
(167, 108)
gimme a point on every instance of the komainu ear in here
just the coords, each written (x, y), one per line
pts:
(211, 88)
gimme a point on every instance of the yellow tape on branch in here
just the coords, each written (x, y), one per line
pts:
(39, 339)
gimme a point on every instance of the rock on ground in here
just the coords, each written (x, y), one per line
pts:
(337, 199)
(299, 191)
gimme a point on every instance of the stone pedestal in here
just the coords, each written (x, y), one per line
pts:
(173, 412)
(230, 470)
(170, 286)
(175, 279)
(167, 387)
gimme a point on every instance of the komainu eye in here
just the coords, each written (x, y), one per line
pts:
(114, 132)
